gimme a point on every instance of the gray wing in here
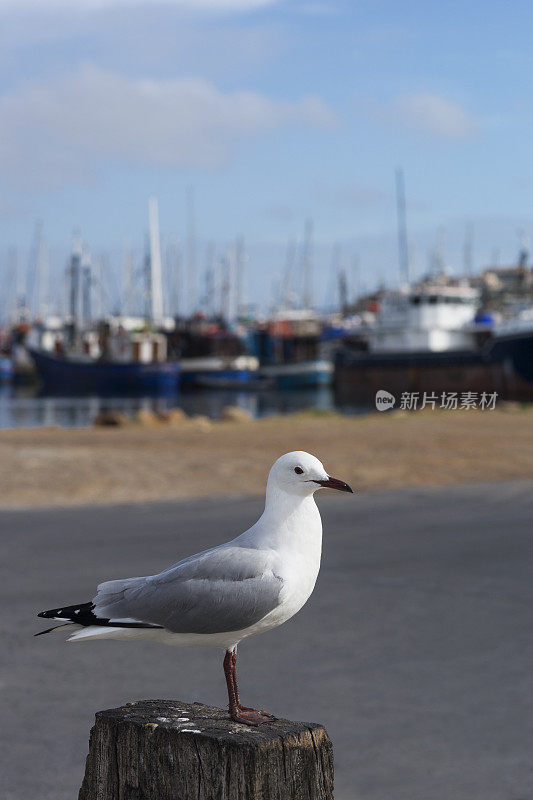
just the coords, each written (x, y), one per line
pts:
(217, 591)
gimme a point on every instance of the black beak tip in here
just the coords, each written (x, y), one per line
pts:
(335, 483)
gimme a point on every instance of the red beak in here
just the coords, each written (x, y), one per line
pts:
(335, 483)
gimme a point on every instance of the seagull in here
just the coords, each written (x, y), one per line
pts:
(220, 596)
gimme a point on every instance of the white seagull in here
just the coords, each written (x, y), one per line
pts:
(220, 596)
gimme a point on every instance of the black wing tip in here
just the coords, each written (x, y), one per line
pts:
(66, 612)
(82, 614)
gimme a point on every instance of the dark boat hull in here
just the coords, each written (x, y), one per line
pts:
(198, 378)
(359, 375)
(64, 375)
(250, 384)
(517, 349)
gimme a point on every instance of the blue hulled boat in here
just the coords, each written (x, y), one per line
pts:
(79, 375)
(290, 353)
(6, 369)
(218, 371)
(299, 375)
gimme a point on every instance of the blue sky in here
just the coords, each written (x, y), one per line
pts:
(274, 112)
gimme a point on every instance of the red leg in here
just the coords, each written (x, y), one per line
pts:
(236, 688)
(238, 712)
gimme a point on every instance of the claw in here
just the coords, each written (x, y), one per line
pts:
(250, 717)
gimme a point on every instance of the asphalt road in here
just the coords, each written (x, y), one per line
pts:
(415, 650)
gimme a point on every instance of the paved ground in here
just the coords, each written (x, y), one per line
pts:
(416, 649)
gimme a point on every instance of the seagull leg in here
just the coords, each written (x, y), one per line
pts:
(235, 686)
(228, 672)
(238, 712)
(239, 706)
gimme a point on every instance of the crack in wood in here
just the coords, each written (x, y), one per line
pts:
(201, 770)
(318, 763)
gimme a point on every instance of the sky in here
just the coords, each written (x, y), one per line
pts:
(275, 112)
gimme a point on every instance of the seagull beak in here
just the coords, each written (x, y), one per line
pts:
(335, 483)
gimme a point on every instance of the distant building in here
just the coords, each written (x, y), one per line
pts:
(505, 288)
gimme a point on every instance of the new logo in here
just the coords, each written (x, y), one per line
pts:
(384, 400)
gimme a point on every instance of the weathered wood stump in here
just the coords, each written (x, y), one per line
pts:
(167, 750)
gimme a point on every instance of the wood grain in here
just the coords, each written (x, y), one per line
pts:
(169, 750)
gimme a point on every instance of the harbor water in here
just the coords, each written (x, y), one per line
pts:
(26, 407)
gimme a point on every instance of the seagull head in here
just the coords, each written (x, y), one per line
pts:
(301, 473)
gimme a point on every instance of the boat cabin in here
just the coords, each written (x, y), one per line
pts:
(428, 318)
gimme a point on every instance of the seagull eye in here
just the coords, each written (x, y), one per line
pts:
(298, 470)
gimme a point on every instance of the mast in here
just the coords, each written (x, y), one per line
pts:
(343, 290)
(232, 285)
(156, 285)
(86, 280)
(523, 254)
(307, 265)
(147, 279)
(173, 275)
(356, 278)
(403, 251)
(128, 283)
(240, 277)
(99, 304)
(210, 280)
(523, 258)
(468, 247)
(342, 278)
(12, 310)
(224, 287)
(290, 258)
(43, 288)
(36, 277)
(191, 250)
(440, 252)
(74, 275)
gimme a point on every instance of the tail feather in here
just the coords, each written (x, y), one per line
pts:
(83, 615)
(55, 628)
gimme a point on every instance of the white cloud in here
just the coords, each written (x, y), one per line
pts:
(435, 115)
(90, 5)
(66, 129)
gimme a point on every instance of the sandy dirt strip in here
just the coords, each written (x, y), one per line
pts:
(40, 467)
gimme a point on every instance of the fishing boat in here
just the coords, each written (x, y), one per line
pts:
(77, 375)
(289, 351)
(218, 372)
(113, 362)
(212, 354)
(440, 335)
(118, 354)
(425, 338)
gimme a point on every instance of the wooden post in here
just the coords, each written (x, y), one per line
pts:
(167, 750)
